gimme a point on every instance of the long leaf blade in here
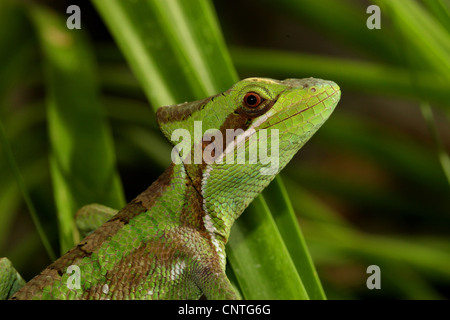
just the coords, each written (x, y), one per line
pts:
(82, 159)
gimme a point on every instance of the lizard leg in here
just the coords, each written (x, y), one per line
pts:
(92, 216)
(10, 279)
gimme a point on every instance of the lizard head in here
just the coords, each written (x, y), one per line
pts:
(280, 116)
(252, 114)
(234, 143)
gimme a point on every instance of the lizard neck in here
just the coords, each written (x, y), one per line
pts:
(180, 198)
(183, 202)
(214, 218)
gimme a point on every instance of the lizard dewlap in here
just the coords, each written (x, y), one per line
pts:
(169, 242)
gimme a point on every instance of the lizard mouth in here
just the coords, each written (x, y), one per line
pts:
(334, 96)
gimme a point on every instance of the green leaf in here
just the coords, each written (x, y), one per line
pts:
(15, 55)
(430, 40)
(260, 259)
(177, 54)
(82, 159)
(25, 194)
(286, 221)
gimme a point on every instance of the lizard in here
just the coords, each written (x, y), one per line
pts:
(169, 242)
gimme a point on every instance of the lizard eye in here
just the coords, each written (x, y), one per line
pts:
(252, 100)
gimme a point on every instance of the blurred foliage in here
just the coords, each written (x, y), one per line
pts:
(370, 188)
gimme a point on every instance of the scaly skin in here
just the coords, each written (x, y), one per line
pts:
(169, 242)
(10, 280)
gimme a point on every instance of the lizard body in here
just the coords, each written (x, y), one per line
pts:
(169, 242)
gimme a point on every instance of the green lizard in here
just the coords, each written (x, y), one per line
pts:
(169, 242)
